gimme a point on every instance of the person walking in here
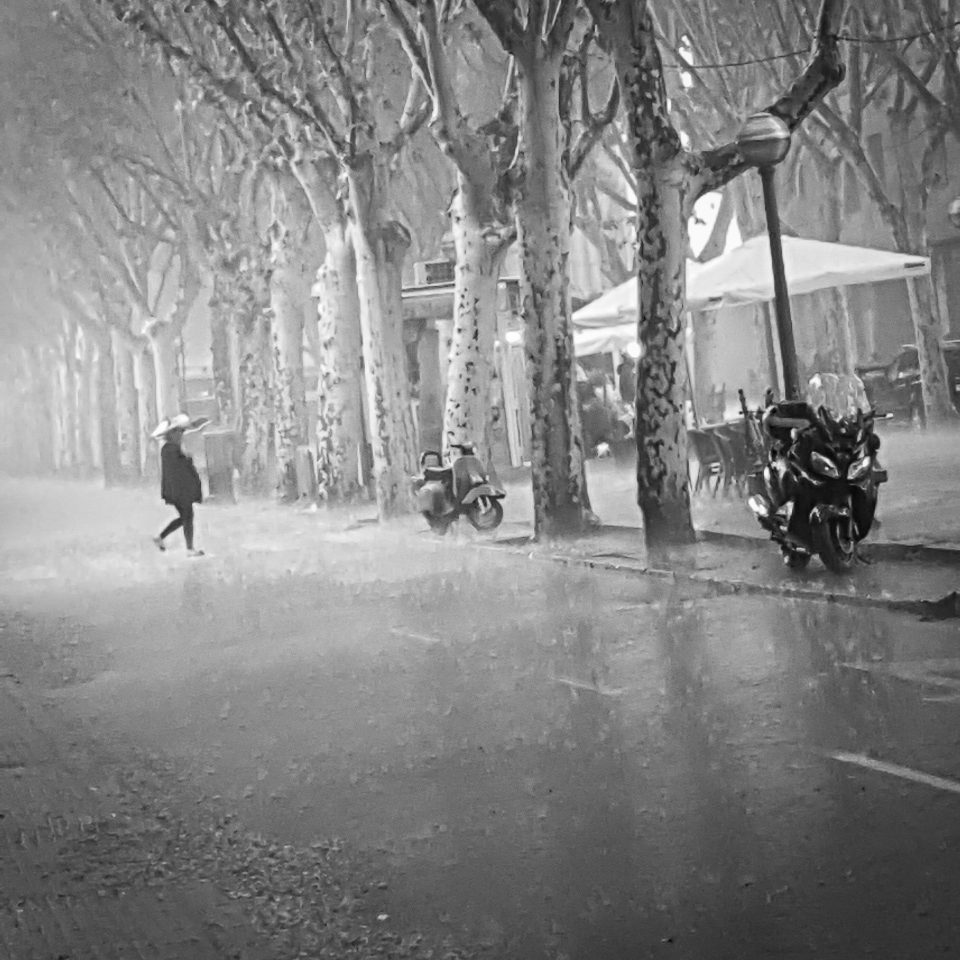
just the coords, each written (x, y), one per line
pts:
(179, 480)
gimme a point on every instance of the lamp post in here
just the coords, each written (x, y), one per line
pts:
(763, 141)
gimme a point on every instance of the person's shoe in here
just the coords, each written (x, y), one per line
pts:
(194, 553)
(161, 546)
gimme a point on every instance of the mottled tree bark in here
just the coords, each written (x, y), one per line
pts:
(255, 403)
(670, 179)
(149, 413)
(339, 387)
(128, 407)
(379, 246)
(32, 421)
(56, 381)
(289, 293)
(88, 440)
(908, 225)
(69, 396)
(110, 461)
(928, 332)
(223, 357)
(466, 416)
(544, 216)
(166, 370)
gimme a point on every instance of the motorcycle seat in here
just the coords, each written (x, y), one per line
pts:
(780, 418)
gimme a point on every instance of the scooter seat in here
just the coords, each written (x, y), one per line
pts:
(444, 474)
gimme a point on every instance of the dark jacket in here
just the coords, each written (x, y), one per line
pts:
(179, 480)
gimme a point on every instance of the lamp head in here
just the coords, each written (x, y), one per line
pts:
(953, 212)
(763, 140)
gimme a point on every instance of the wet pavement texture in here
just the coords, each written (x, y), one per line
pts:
(522, 759)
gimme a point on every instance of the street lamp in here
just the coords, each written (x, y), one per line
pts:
(953, 212)
(763, 141)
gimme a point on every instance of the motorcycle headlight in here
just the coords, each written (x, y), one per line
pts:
(859, 467)
(824, 465)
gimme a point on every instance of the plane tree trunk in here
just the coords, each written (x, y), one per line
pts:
(379, 246)
(336, 338)
(88, 423)
(107, 409)
(289, 295)
(223, 354)
(149, 412)
(166, 371)
(544, 210)
(256, 404)
(479, 251)
(127, 405)
(669, 180)
(910, 235)
(339, 388)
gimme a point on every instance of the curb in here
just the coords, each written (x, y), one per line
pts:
(895, 550)
(719, 585)
(899, 551)
(725, 586)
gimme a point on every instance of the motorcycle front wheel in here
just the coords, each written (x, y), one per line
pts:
(794, 560)
(485, 513)
(833, 540)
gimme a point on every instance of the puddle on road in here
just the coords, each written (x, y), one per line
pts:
(558, 762)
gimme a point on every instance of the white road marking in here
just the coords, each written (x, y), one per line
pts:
(895, 770)
(931, 673)
(409, 635)
(593, 688)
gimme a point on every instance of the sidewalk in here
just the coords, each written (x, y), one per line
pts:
(919, 506)
(54, 531)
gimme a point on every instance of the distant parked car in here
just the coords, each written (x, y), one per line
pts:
(894, 387)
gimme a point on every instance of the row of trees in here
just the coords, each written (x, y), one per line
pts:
(282, 137)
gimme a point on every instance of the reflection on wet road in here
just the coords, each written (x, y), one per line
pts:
(562, 763)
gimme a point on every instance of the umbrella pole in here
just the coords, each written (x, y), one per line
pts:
(691, 393)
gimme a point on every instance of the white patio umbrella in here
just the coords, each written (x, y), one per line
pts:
(744, 275)
(620, 304)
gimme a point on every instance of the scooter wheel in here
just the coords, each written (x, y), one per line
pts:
(485, 513)
(438, 525)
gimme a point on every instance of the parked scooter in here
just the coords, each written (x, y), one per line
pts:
(446, 492)
(817, 493)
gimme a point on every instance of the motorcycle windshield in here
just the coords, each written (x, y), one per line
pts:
(842, 394)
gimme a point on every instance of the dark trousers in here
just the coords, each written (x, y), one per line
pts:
(185, 520)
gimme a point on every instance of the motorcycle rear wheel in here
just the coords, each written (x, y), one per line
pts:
(485, 513)
(833, 541)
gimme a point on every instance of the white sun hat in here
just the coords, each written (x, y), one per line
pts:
(180, 422)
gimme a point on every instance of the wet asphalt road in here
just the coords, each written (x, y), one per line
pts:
(552, 762)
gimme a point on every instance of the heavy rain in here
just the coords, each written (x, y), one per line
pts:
(399, 557)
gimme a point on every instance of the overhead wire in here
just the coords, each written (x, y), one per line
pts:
(847, 37)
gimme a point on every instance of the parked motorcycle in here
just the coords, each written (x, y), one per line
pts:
(817, 492)
(446, 492)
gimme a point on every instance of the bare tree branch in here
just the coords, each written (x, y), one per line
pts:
(503, 19)
(595, 124)
(824, 71)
